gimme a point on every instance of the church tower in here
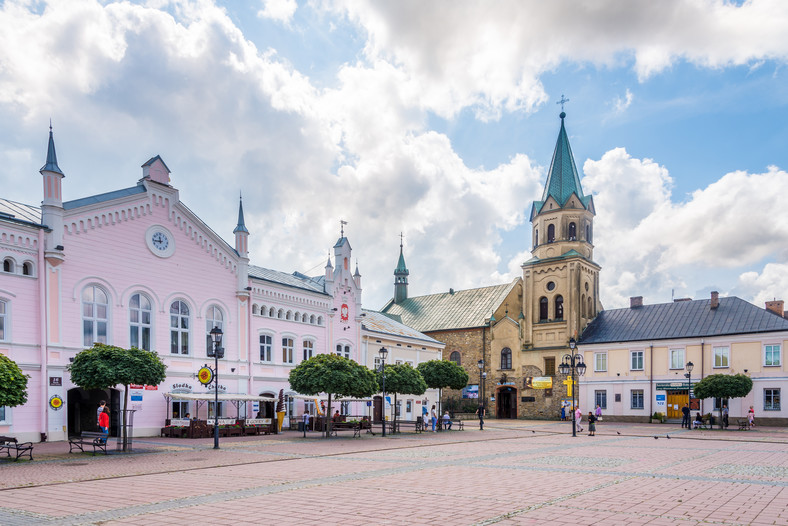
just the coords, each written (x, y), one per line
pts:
(561, 280)
(401, 278)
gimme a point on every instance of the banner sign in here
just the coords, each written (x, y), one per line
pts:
(670, 386)
(179, 422)
(470, 391)
(538, 382)
(258, 421)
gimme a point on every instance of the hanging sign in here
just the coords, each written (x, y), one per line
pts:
(205, 375)
(56, 403)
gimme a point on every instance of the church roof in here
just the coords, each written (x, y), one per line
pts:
(295, 280)
(19, 212)
(378, 322)
(681, 319)
(461, 309)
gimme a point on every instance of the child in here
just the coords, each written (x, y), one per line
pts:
(591, 424)
(751, 417)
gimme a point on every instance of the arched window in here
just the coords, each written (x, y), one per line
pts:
(455, 357)
(95, 315)
(289, 315)
(304, 318)
(179, 327)
(559, 307)
(572, 232)
(280, 314)
(213, 318)
(309, 349)
(343, 350)
(590, 308)
(536, 237)
(312, 319)
(583, 306)
(506, 358)
(8, 265)
(27, 268)
(272, 313)
(140, 314)
(550, 233)
(3, 322)
(255, 309)
(287, 350)
(588, 233)
(320, 320)
(542, 309)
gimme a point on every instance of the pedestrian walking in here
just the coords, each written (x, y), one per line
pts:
(480, 412)
(578, 419)
(598, 412)
(751, 417)
(725, 416)
(434, 418)
(100, 410)
(104, 423)
(685, 419)
(563, 412)
(591, 424)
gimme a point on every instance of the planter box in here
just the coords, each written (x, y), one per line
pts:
(656, 421)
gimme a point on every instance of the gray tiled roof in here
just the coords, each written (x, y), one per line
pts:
(296, 280)
(100, 198)
(461, 310)
(19, 212)
(378, 322)
(681, 319)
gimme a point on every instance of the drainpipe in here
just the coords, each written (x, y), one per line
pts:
(702, 369)
(43, 316)
(651, 380)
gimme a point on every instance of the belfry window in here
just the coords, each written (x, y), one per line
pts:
(588, 233)
(550, 233)
(572, 232)
(559, 307)
(536, 237)
(542, 309)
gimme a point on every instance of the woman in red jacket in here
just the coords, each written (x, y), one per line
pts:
(104, 421)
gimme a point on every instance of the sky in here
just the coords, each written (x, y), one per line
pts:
(434, 119)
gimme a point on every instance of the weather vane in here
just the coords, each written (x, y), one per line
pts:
(400, 239)
(562, 101)
(342, 224)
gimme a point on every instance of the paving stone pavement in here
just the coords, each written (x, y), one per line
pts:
(513, 472)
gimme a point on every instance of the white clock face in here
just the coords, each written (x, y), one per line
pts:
(160, 241)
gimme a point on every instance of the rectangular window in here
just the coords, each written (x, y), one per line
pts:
(2, 414)
(771, 355)
(180, 409)
(266, 348)
(549, 366)
(677, 358)
(309, 407)
(637, 399)
(719, 402)
(721, 356)
(771, 399)
(287, 350)
(410, 362)
(398, 362)
(309, 347)
(377, 363)
(600, 397)
(3, 315)
(600, 362)
(636, 360)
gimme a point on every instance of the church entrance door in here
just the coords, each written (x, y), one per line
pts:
(507, 402)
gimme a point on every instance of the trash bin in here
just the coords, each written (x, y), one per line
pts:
(300, 427)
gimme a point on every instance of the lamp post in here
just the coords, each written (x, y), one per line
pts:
(573, 364)
(688, 376)
(216, 352)
(480, 363)
(383, 352)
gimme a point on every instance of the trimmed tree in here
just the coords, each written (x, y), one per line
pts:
(105, 366)
(723, 386)
(401, 379)
(441, 374)
(13, 383)
(334, 375)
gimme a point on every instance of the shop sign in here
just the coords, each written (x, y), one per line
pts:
(671, 386)
(136, 386)
(136, 398)
(181, 388)
(538, 382)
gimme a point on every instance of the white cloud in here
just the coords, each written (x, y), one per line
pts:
(621, 104)
(770, 284)
(278, 10)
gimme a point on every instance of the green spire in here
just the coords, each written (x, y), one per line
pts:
(562, 179)
(401, 277)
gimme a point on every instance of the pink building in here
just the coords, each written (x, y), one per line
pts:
(136, 267)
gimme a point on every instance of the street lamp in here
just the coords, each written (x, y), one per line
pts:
(480, 363)
(216, 352)
(383, 352)
(573, 364)
(688, 376)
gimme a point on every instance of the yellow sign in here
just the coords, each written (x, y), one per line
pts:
(56, 402)
(538, 382)
(205, 375)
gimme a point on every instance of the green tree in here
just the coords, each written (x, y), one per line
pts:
(402, 379)
(723, 386)
(13, 383)
(104, 366)
(333, 375)
(441, 374)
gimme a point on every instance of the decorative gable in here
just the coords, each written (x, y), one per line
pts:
(155, 170)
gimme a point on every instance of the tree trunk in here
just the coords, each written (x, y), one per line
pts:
(123, 416)
(440, 406)
(328, 417)
(395, 412)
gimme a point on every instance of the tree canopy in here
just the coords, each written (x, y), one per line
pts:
(13, 383)
(723, 386)
(333, 374)
(103, 366)
(440, 374)
(403, 379)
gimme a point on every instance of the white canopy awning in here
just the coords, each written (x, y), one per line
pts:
(223, 397)
(324, 396)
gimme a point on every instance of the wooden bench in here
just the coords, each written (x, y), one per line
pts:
(89, 438)
(340, 426)
(744, 425)
(10, 444)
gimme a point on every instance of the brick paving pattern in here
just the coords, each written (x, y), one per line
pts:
(514, 472)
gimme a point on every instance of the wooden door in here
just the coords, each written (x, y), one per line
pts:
(675, 400)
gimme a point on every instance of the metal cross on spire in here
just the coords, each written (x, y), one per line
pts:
(401, 237)
(342, 224)
(562, 101)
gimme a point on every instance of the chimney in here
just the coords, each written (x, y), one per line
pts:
(715, 300)
(635, 301)
(775, 306)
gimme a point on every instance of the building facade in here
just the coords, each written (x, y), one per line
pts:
(136, 267)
